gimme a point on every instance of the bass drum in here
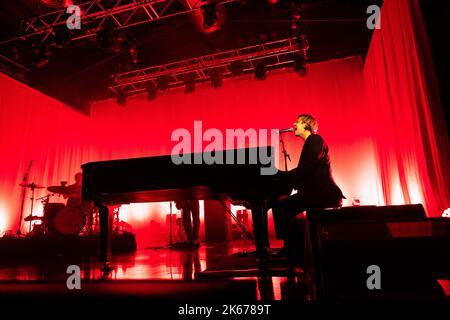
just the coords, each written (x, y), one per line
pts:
(69, 221)
(51, 210)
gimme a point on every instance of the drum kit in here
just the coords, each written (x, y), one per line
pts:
(74, 218)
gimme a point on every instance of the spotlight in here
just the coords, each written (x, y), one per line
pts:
(297, 9)
(134, 55)
(296, 14)
(236, 68)
(152, 90)
(163, 83)
(122, 98)
(274, 35)
(209, 14)
(216, 78)
(189, 83)
(262, 37)
(260, 72)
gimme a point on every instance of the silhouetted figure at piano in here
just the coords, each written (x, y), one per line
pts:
(72, 192)
(190, 215)
(74, 198)
(314, 182)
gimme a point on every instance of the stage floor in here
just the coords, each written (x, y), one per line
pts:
(232, 261)
(215, 271)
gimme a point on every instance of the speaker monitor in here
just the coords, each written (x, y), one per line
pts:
(399, 240)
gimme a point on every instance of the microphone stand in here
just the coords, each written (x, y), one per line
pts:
(285, 154)
(170, 227)
(24, 183)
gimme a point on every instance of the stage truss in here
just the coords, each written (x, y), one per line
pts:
(271, 55)
(123, 14)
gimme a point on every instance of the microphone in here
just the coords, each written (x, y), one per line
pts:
(285, 130)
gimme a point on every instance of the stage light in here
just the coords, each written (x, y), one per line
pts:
(236, 68)
(163, 83)
(189, 83)
(274, 35)
(152, 90)
(262, 37)
(216, 78)
(260, 71)
(296, 14)
(209, 12)
(122, 98)
(134, 55)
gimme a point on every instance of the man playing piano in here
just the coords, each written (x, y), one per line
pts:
(312, 178)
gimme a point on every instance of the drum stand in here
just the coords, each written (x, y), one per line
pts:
(24, 183)
(31, 210)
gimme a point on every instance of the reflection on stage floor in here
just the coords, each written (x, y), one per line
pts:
(232, 261)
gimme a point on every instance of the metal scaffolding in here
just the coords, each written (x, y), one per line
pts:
(123, 14)
(271, 55)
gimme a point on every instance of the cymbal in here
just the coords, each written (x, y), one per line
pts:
(57, 189)
(33, 218)
(31, 186)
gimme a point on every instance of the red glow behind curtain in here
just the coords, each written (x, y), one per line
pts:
(411, 142)
(60, 139)
(36, 127)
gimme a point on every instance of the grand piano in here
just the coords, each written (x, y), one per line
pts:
(239, 178)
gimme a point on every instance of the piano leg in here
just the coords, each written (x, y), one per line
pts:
(260, 227)
(106, 218)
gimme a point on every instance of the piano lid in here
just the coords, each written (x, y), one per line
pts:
(171, 177)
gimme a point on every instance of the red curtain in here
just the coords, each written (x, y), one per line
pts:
(59, 139)
(409, 132)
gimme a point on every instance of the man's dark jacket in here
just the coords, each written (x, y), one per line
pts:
(312, 177)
